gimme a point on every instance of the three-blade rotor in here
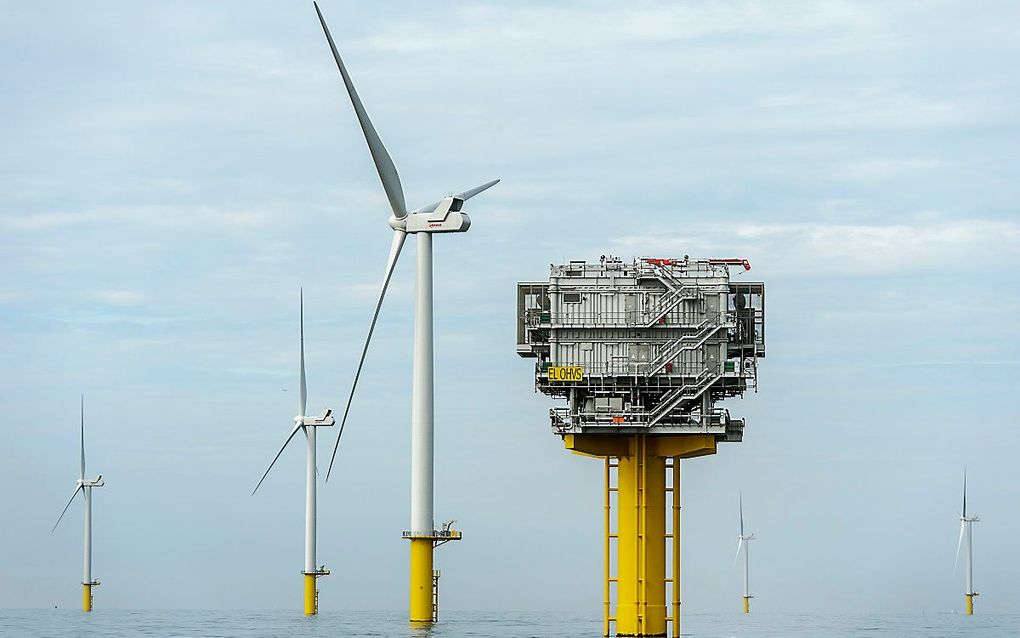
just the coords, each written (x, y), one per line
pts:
(395, 195)
(301, 421)
(964, 521)
(82, 483)
(743, 537)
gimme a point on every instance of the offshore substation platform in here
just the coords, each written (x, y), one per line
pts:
(642, 352)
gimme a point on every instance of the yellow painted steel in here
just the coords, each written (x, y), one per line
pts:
(641, 533)
(86, 597)
(747, 604)
(421, 580)
(641, 542)
(684, 446)
(311, 604)
(605, 552)
(970, 604)
(676, 545)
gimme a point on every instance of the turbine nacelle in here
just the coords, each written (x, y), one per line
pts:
(325, 420)
(442, 217)
(445, 217)
(96, 482)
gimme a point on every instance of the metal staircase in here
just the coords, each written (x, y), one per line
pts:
(685, 392)
(677, 294)
(688, 342)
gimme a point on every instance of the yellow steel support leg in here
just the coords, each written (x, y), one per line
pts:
(605, 552)
(676, 545)
(86, 597)
(421, 580)
(311, 604)
(641, 543)
(747, 604)
(970, 604)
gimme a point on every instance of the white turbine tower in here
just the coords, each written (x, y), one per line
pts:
(967, 529)
(744, 541)
(308, 425)
(444, 216)
(85, 487)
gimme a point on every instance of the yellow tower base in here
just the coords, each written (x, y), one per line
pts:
(641, 531)
(641, 543)
(424, 586)
(311, 595)
(747, 604)
(970, 604)
(86, 596)
(311, 602)
(421, 580)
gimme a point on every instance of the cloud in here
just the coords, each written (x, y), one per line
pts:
(150, 215)
(841, 249)
(97, 317)
(119, 297)
(599, 25)
(887, 168)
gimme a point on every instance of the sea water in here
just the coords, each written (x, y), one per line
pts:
(62, 623)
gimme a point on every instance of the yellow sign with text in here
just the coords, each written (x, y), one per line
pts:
(568, 374)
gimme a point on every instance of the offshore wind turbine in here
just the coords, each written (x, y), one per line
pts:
(744, 541)
(967, 529)
(85, 487)
(444, 216)
(308, 425)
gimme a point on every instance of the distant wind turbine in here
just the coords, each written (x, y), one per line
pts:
(308, 425)
(85, 487)
(744, 542)
(966, 529)
(444, 216)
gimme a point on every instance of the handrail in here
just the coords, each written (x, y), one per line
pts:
(668, 302)
(621, 368)
(561, 419)
(671, 350)
(667, 404)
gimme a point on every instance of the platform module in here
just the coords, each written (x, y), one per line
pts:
(644, 347)
(642, 353)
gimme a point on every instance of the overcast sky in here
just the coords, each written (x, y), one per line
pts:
(171, 173)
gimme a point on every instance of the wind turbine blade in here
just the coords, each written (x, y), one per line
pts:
(383, 164)
(965, 492)
(740, 543)
(275, 458)
(395, 246)
(466, 195)
(741, 505)
(81, 474)
(959, 545)
(302, 391)
(71, 500)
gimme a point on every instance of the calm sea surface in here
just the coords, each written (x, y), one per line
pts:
(171, 624)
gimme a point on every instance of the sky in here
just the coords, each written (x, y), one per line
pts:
(171, 174)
